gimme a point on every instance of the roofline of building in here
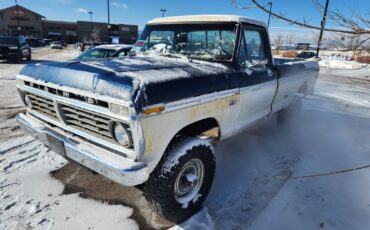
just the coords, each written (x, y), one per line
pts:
(2, 10)
(61, 22)
(105, 23)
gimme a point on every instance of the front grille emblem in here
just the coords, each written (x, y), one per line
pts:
(65, 94)
(90, 100)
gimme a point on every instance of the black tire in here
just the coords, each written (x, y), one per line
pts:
(29, 57)
(159, 190)
(19, 57)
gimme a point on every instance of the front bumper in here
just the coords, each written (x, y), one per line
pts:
(106, 163)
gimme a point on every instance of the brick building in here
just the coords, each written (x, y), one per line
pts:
(17, 20)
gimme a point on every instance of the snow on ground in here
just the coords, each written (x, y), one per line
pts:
(335, 192)
(259, 181)
(31, 198)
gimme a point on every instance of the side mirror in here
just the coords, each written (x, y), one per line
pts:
(257, 64)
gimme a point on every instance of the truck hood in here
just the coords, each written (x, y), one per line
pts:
(140, 80)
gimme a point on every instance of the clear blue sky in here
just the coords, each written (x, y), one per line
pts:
(140, 11)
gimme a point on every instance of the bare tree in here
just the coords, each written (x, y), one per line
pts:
(278, 41)
(351, 25)
(289, 39)
(355, 43)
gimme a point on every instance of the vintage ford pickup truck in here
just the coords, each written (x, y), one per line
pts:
(150, 119)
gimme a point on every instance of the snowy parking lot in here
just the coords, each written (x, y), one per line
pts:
(311, 172)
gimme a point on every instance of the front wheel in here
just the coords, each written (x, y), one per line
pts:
(180, 183)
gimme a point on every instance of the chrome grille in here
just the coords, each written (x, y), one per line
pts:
(83, 120)
(67, 94)
(43, 105)
(86, 121)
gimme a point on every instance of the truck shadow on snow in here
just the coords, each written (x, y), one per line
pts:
(251, 169)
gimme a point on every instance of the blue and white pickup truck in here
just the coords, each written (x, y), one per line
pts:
(150, 118)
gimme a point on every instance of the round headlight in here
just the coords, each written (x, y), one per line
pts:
(27, 100)
(122, 134)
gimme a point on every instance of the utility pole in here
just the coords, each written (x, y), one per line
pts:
(16, 10)
(91, 23)
(268, 23)
(108, 26)
(163, 11)
(323, 22)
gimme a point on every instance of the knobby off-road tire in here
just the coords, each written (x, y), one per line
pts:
(187, 164)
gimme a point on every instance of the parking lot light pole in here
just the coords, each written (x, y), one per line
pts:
(108, 26)
(163, 11)
(91, 24)
(16, 10)
(268, 23)
(323, 23)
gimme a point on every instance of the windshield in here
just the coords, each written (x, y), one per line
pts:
(96, 53)
(8, 40)
(210, 42)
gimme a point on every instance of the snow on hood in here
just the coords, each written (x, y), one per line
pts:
(155, 68)
(125, 78)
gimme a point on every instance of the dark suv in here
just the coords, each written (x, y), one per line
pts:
(306, 54)
(14, 48)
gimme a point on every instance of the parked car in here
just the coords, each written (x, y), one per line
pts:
(306, 54)
(152, 119)
(105, 51)
(56, 45)
(47, 41)
(14, 48)
(63, 42)
(35, 42)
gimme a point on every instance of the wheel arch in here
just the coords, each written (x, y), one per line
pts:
(197, 128)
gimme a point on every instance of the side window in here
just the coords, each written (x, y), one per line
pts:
(252, 50)
(158, 39)
(121, 54)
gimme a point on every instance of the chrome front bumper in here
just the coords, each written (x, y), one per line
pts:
(104, 162)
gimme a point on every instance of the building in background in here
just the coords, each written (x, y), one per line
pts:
(59, 30)
(17, 20)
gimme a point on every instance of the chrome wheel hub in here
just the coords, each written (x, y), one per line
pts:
(189, 181)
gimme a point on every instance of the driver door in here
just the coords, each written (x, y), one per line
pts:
(258, 82)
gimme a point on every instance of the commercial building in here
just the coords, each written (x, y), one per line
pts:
(17, 20)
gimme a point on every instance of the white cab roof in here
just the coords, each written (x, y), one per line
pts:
(204, 19)
(114, 46)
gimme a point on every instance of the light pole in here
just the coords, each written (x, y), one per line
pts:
(16, 9)
(268, 23)
(108, 26)
(323, 22)
(163, 11)
(91, 24)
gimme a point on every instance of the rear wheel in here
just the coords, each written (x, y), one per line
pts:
(19, 57)
(29, 57)
(180, 183)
